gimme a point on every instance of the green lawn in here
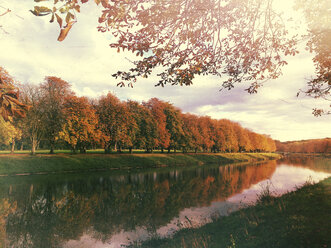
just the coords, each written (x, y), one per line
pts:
(297, 219)
(65, 162)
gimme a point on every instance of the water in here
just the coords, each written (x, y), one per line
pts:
(109, 210)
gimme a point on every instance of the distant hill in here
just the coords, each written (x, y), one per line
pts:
(306, 146)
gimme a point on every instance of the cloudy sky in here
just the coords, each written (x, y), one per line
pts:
(29, 51)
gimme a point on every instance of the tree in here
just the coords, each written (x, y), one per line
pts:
(244, 143)
(145, 128)
(253, 137)
(8, 133)
(245, 40)
(157, 108)
(218, 137)
(231, 139)
(192, 135)
(2, 13)
(174, 125)
(113, 121)
(80, 128)
(127, 128)
(308, 146)
(318, 17)
(33, 125)
(9, 104)
(54, 92)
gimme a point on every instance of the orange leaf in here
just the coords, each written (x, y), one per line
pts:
(59, 20)
(64, 31)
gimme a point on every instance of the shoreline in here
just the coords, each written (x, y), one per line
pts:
(40, 164)
(294, 219)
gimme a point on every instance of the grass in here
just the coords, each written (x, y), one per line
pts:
(297, 219)
(66, 162)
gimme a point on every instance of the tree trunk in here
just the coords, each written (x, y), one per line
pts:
(162, 150)
(33, 148)
(22, 146)
(175, 150)
(130, 149)
(119, 149)
(108, 148)
(52, 148)
(12, 146)
(195, 150)
(82, 150)
(168, 149)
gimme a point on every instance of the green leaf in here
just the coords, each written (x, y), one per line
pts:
(41, 11)
(63, 10)
(68, 18)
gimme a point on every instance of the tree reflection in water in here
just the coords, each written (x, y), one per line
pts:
(47, 211)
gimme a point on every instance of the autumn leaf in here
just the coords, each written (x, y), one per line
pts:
(41, 11)
(64, 32)
(59, 20)
(52, 19)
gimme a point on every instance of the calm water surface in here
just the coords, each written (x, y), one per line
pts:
(110, 210)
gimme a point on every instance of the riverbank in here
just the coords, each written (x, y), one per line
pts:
(297, 219)
(24, 164)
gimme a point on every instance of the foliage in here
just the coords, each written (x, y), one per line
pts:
(244, 40)
(9, 104)
(54, 92)
(33, 126)
(56, 115)
(305, 146)
(80, 127)
(146, 126)
(318, 17)
(157, 109)
(8, 132)
(114, 123)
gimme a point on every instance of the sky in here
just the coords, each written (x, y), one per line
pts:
(29, 51)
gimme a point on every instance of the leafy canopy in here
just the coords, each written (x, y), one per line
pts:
(246, 40)
(9, 97)
(235, 40)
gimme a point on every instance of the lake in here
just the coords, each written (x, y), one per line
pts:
(114, 209)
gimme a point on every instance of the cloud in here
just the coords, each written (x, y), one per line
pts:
(31, 51)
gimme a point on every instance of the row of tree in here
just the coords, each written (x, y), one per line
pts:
(305, 146)
(58, 118)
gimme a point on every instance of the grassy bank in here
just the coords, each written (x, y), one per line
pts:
(298, 219)
(43, 163)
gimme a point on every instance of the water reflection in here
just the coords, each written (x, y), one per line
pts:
(104, 210)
